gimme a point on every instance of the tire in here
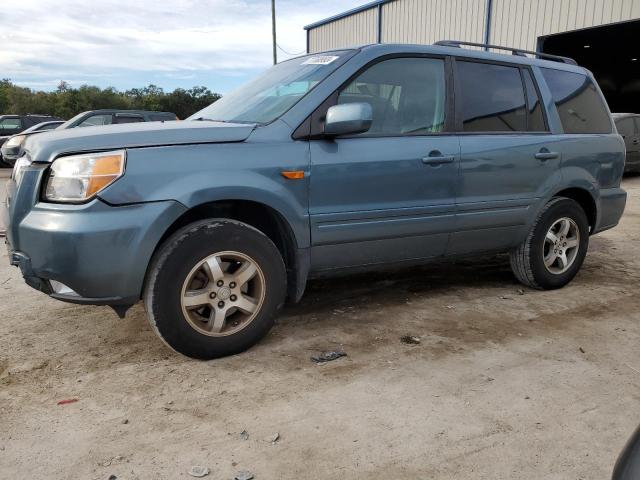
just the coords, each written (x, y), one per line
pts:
(528, 260)
(179, 278)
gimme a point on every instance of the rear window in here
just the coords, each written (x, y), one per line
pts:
(578, 102)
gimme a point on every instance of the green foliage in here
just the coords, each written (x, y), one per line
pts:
(65, 101)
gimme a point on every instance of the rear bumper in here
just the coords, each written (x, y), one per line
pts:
(100, 252)
(610, 208)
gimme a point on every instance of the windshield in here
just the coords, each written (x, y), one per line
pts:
(275, 91)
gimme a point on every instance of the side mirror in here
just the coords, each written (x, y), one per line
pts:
(348, 119)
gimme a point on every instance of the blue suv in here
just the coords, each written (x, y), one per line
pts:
(328, 163)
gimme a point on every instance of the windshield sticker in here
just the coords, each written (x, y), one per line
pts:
(320, 60)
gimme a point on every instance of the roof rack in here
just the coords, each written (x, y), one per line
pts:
(514, 51)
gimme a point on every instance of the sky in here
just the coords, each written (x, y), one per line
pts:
(124, 44)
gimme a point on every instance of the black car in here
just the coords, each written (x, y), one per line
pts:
(11, 148)
(628, 125)
(13, 124)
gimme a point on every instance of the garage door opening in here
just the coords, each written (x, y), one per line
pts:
(612, 53)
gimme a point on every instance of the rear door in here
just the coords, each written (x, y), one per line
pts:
(388, 194)
(509, 159)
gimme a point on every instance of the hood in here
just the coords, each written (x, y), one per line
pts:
(47, 146)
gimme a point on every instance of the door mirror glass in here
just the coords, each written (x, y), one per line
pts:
(348, 119)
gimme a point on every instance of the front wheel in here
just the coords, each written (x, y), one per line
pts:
(214, 288)
(554, 250)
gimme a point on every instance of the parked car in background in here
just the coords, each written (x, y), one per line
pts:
(628, 125)
(92, 118)
(95, 118)
(12, 124)
(328, 163)
(11, 148)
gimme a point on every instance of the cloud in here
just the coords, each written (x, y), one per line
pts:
(123, 42)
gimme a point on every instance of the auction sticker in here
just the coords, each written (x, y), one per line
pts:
(320, 60)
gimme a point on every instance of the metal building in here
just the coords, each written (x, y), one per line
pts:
(601, 35)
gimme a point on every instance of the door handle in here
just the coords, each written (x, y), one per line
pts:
(545, 155)
(436, 158)
(636, 142)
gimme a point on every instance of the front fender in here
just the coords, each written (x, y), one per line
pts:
(198, 174)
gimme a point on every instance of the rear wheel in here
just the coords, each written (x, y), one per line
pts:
(214, 288)
(553, 252)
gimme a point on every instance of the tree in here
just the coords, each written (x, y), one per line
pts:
(67, 101)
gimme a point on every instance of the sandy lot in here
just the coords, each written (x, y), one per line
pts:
(505, 384)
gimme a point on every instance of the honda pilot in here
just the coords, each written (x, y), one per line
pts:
(326, 164)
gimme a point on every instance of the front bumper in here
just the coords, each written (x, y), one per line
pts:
(99, 251)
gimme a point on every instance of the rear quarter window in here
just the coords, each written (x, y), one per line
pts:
(578, 102)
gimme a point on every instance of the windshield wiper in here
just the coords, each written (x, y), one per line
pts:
(203, 119)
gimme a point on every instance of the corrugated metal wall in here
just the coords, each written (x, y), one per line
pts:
(514, 23)
(358, 29)
(427, 21)
(518, 23)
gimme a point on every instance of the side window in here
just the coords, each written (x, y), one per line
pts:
(637, 119)
(10, 124)
(95, 120)
(407, 96)
(625, 127)
(128, 119)
(578, 102)
(492, 98)
(535, 117)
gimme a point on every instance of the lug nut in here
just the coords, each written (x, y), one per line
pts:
(220, 304)
(212, 295)
(220, 283)
(232, 285)
(233, 298)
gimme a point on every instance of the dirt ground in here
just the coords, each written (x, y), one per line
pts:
(507, 383)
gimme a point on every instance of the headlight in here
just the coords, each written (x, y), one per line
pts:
(78, 178)
(18, 168)
(15, 141)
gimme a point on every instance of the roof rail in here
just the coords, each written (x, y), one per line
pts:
(514, 51)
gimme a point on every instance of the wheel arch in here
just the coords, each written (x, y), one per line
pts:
(260, 216)
(585, 199)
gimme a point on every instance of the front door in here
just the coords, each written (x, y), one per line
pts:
(389, 194)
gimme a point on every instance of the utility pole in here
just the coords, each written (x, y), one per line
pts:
(273, 29)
